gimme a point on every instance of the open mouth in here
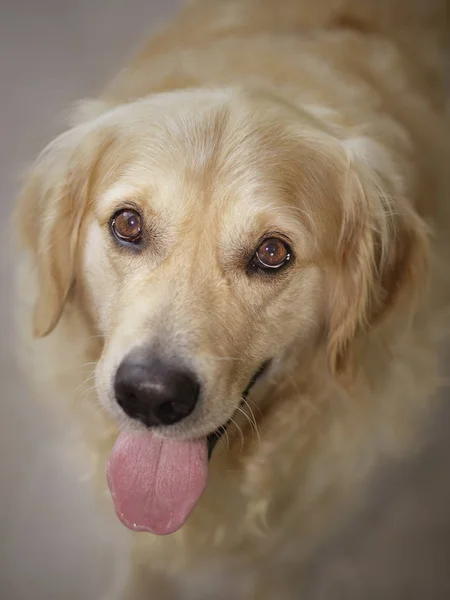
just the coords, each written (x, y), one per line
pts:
(156, 482)
(215, 436)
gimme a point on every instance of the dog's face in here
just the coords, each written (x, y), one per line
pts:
(206, 235)
(196, 259)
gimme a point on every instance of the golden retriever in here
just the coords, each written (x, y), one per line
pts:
(245, 240)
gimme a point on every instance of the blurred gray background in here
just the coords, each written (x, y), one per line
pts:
(52, 544)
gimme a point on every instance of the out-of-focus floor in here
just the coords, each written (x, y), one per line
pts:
(52, 545)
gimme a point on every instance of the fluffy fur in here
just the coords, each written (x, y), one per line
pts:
(325, 121)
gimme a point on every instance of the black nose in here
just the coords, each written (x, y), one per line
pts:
(155, 392)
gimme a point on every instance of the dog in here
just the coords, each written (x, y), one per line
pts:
(244, 238)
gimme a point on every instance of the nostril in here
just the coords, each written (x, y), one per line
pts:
(168, 413)
(132, 398)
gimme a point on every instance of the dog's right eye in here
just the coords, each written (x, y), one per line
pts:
(272, 255)
(126, 226)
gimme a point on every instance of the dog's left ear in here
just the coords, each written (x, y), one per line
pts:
(381, 260)
(49, 215)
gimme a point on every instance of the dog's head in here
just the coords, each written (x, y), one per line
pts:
(206, 235)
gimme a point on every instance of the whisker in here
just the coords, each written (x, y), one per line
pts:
(221, 441)
(83, 383)
(88, 391)
(250, 409)
(248, 400)
(246, 415)
(251, 419)
(227, 447)
(83, 401)
(241, 433)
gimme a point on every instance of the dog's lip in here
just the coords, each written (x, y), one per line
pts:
(215, 435)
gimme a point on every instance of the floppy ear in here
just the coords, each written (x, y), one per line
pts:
(49, 215)
(381, 261)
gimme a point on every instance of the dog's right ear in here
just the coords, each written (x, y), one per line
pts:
(49, 215)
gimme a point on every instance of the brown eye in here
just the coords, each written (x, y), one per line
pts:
(126, 226)
(273, 253)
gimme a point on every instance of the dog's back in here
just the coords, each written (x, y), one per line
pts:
(409, 21)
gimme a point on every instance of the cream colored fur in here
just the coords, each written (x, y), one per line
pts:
(326, 121)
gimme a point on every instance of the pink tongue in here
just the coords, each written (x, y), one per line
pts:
(155, 483)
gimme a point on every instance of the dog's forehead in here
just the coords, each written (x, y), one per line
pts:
(177, 143)
(187, 166)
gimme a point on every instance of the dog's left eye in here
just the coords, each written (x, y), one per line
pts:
(126, 226)
(272, 253)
